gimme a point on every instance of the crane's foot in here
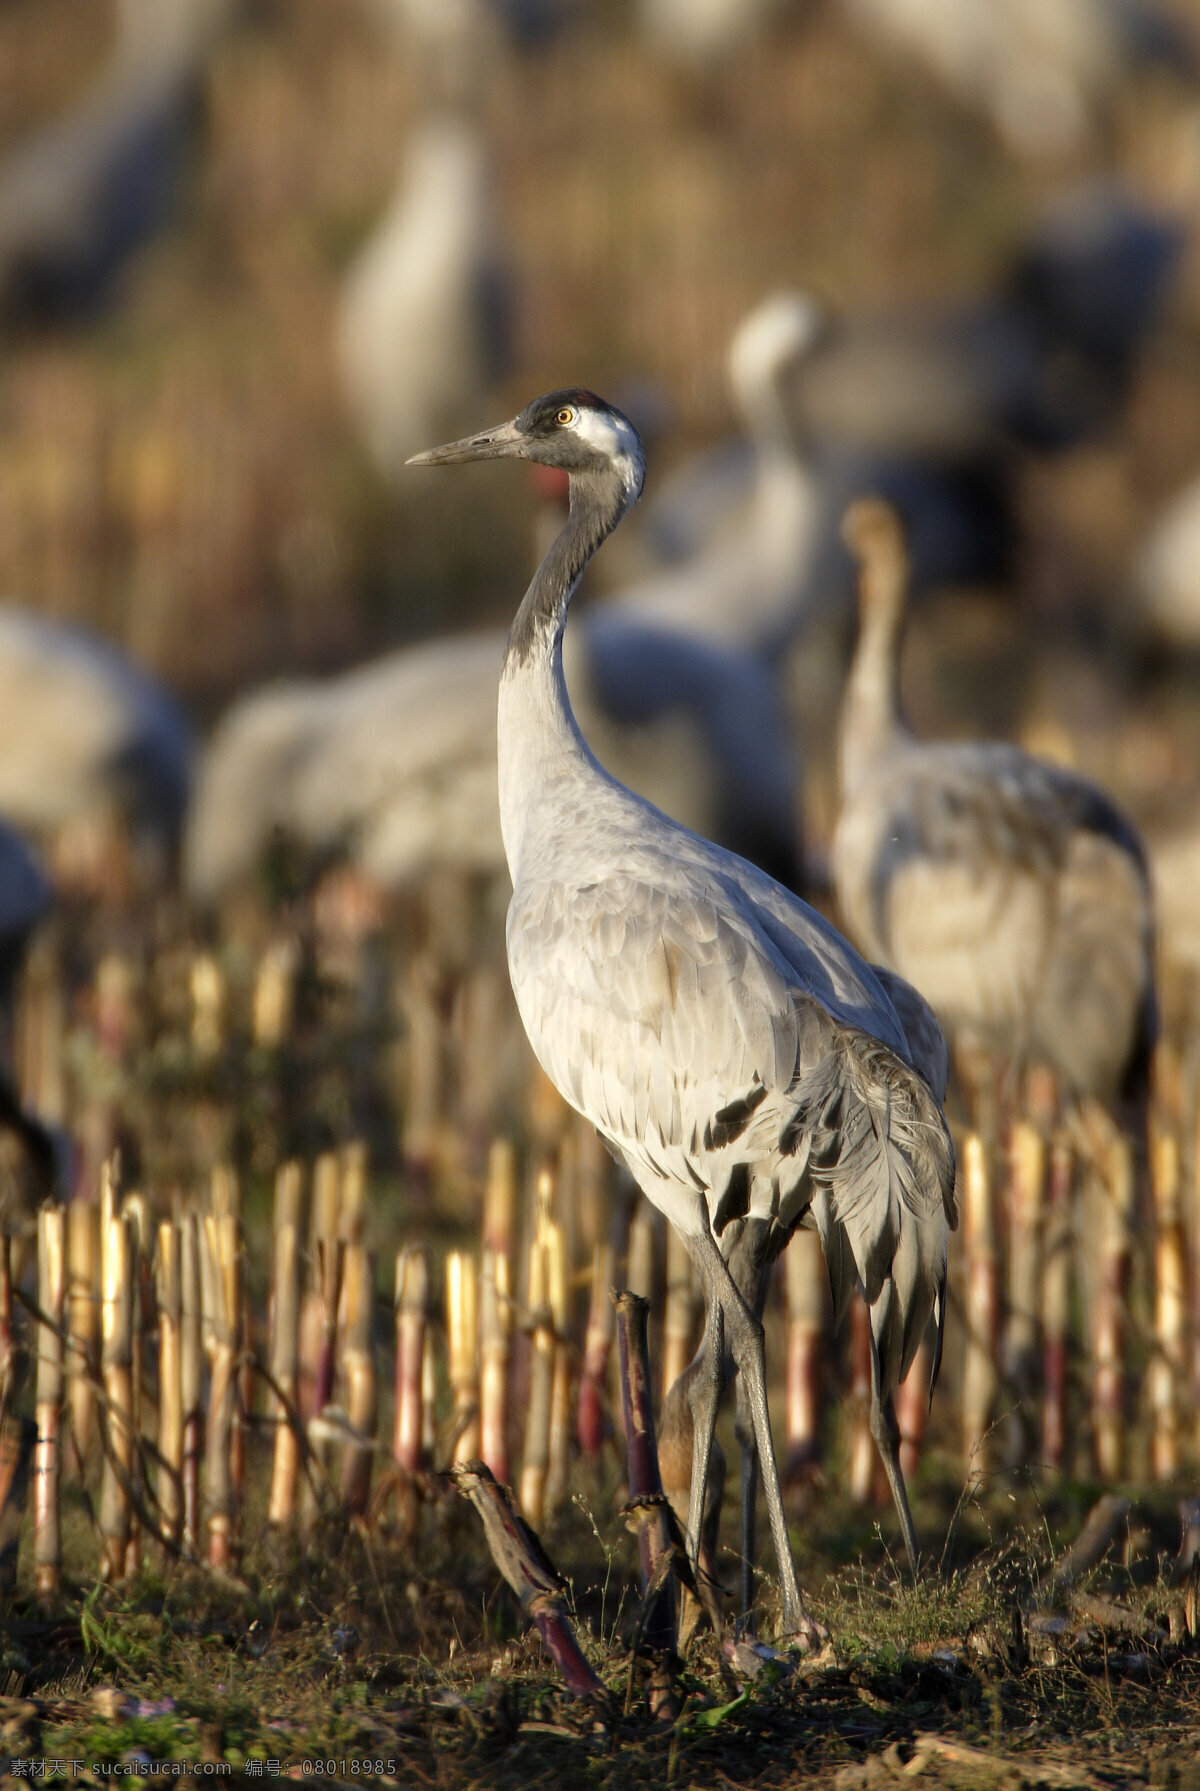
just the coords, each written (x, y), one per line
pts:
(806, 1635)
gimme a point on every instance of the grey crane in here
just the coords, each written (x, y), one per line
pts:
(1165, 574)
(745, 582)
(394, 762)
(732, 1050)
(81, 194)
(833, 410)
(1045, 75)
(89, 743)
(1011, 892)
(25, 899)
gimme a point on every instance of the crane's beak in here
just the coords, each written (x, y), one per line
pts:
(489, 444)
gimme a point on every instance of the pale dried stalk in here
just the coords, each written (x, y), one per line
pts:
(83, 1321)
(536, 1458)
(319, 1318)
(912, 1408)
(114, 994)
(495, 1327)
(285, 1321)
(352, 1204)
(481, 1013)
(1027, 1169)
(642, 1251)
(413, 1284)
(8, 1350)
(980, 1379)
(358, 1366)
(17, 1439)
(558, 1458)
(288, 1210)
(679, 1314)
(326, 1196)
(428, 1395)
(222, 1245)
(40, 1031)
(135, 1209)
(208, 1005)
(47, 1533)
(170, 1381)
(423, 1070)
(807, 1334)
(500, 1198)
(191, 1375)
(1170, 1307)
(1194, 1266)
(863, 1457)
(462, 1328)
(593, 1185)
(597, 1348)
(1108, 1334)
(289, 1196)
(1056, 1301)
(275, 994)
(116, 1357)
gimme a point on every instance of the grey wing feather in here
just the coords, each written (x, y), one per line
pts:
(695, 1048)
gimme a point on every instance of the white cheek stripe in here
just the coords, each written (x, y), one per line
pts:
(615, 439)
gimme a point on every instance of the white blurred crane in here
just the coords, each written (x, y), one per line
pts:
(420, 324)
(703, 32)
(1166, 571)
(744, 581)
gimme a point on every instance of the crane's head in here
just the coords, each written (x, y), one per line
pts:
(570, 429)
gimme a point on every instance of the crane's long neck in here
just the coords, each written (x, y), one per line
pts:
(871, 723)
(541, 750)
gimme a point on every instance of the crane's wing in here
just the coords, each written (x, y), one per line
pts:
(695, 1044)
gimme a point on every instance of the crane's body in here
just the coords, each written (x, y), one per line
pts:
(1011, 892)
(394, 762)
(729, 1046)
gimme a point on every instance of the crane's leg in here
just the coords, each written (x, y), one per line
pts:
(704, 1397)
(744, 1430)
(744, 1333)
(886, 1432)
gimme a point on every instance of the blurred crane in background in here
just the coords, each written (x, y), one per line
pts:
(395, 762)
(84, 192)
(25, 899)
(95, 756)
(1009, 891)
(421, 324)
(702, 32)
(1044, 74)
(1165, 575)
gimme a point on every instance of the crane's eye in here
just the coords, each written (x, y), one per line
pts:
(564, 416)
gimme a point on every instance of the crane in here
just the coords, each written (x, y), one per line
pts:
(394, 762)
(1044, 76)
(1011, 892)
(732, 1050)
(421, 321)
(85, 191)
(90, 745)
(25, 899)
